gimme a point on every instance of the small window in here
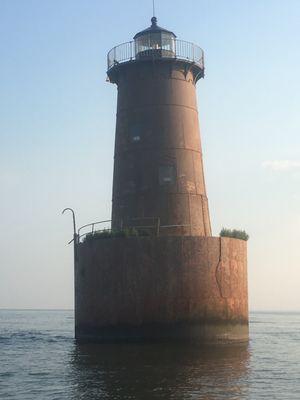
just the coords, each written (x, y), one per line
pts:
(135, 133)
(166, 174)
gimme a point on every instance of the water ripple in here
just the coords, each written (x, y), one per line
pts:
(40, 360)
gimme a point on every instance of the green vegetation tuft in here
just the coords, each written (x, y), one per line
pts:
(108, 234)
(234, 233)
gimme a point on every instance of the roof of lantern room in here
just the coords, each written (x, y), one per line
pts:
(154, 28)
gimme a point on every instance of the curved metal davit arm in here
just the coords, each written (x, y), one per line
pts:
(73, 215)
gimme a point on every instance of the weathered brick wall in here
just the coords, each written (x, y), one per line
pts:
(139, 281)
(157, 130)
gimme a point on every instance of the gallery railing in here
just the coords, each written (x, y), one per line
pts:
(92, 230)
(179, 49)
(151, 229)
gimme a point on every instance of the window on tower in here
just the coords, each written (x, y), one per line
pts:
(167, 174)
(135, 132)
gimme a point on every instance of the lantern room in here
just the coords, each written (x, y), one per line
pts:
(154, 42)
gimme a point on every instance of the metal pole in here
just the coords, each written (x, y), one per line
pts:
(75, 235)
(76, 242)
(74, 221)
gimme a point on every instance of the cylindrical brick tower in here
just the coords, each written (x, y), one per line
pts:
(158, 168)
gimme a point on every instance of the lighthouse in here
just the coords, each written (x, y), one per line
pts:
(158, 168)
(159, 273)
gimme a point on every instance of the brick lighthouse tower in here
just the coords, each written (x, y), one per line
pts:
(176, 281)
(158, 170)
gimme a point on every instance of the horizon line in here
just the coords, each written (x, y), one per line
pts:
(72, 309)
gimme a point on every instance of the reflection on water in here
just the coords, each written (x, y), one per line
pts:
(163, 371)
(39, 360)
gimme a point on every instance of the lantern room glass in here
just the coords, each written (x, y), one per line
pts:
(149, 42)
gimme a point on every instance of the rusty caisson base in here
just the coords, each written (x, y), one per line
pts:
(190, 288)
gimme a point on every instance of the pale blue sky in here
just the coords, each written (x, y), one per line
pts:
(57, 118)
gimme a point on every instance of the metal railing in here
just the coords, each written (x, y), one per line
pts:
(92, 230)
(182, 50)
(153, 229)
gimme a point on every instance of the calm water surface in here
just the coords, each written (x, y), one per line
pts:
(40, 360)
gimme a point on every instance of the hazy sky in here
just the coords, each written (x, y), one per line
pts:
(57, 118)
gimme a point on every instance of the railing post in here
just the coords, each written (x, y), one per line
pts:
(158, 226)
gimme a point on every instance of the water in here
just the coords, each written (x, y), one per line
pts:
(40, 360)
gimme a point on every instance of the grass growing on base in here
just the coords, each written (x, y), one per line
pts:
(234, 233)
(107, 233)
